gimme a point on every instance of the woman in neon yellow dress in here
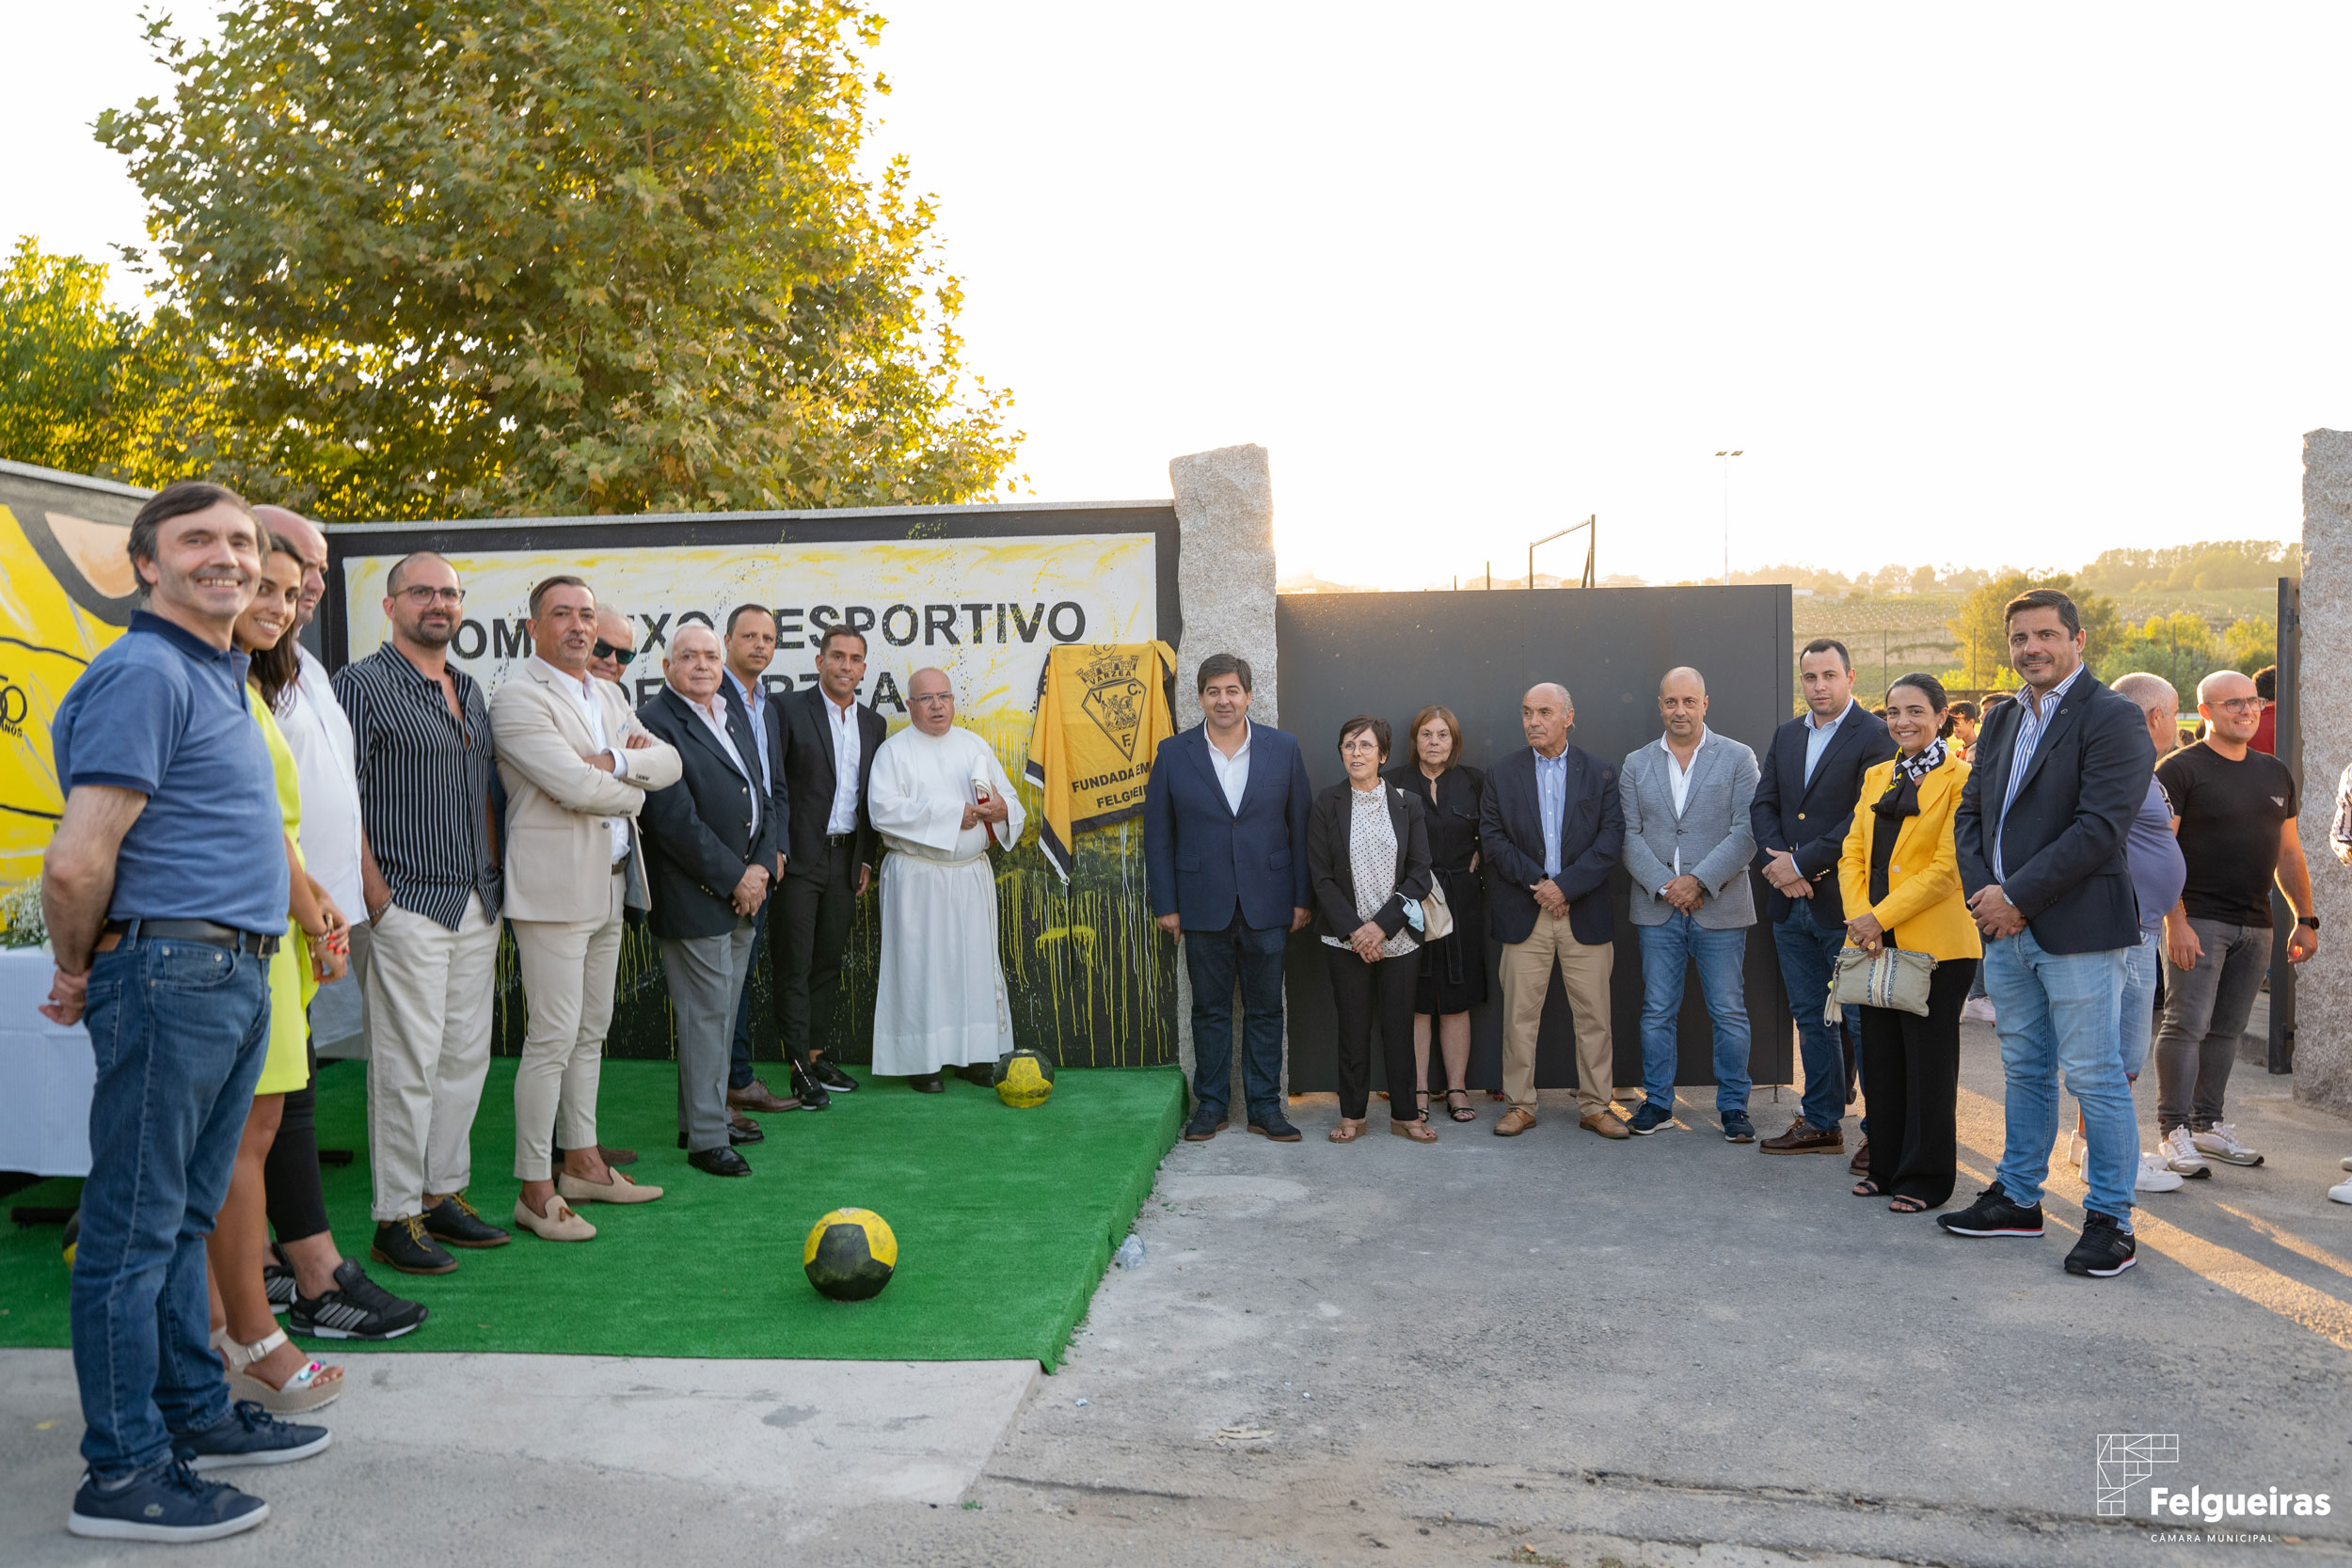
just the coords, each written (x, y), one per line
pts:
(262, 1365)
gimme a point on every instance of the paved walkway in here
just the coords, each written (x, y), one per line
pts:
(1663, 1352)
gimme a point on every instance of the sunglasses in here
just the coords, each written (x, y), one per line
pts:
(618, 655)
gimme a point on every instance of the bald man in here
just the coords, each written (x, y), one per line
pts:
(1689, 836)
(616, 645)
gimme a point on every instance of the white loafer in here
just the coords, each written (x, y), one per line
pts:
(621, 1189)
(560, 1225)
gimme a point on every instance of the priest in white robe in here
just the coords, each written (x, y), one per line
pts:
(939, 798)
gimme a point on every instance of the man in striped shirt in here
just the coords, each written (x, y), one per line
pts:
(421, 751)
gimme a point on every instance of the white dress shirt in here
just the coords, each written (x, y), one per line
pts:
(714, 718)
(581, 688)
(318, 736)
(841, 717)
(1232, 772)
(1678, 780)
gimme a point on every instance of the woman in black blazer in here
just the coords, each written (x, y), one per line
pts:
(1452, 968)
(1368, 852)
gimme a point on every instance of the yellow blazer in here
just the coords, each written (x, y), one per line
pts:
(1924, 910)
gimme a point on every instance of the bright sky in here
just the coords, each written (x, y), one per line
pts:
(2012, 284)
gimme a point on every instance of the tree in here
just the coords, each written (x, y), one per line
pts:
(1923, 579)
(520, 257)
(1982, 630)
(2250, 643)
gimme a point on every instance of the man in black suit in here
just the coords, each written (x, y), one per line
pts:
(750, 646)
(1552, 828)
(827, 739)
(710, 855)
(1805, 802)
(2059, 774)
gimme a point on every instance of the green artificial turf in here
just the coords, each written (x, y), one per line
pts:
(1006, 1220)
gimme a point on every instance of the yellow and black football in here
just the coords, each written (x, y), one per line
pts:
(72, 1239)
(851, 1255)
(1023, 1078)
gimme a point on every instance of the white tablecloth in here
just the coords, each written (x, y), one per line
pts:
(46, 1073)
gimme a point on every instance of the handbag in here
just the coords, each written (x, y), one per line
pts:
(1895, 978)
(1436, 915)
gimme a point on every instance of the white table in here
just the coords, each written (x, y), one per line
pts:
(46, 1074)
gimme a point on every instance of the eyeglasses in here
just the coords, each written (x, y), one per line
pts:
(933, 697)
(2238, 704)
(618, 655)
(420, 594)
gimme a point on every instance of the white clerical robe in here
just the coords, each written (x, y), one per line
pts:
(942, 1000)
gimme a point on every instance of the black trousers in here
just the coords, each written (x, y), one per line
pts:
(807, 934)
(289, 1172)
(1364, 994)
(1911, 1071)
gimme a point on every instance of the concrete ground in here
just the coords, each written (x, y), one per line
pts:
(1661, 1351)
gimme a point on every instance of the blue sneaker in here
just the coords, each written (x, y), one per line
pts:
(1737, 1128)
(249, 1434)
(170, 1505)
(1648, 1119)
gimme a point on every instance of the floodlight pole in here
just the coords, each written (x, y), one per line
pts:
(1727, 457)
(1591, 523)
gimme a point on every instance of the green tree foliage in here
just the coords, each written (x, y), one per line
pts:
(86, 386)
(1981, 630)
(2213, 564)
(464, 257)
(2250, 643)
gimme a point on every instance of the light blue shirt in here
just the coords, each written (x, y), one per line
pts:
(1818, 736)
(755, 700)
(2030, 729)
(1551, 800)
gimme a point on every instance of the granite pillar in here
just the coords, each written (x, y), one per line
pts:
(2323, 989)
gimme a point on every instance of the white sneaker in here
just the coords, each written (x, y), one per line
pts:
(2342, 1191)
(2076, 1150)
(2157, 1177)
(2219, 1142)
(1980, 1009)
(2180, 1154)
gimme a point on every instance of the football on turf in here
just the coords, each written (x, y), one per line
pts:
(1023, 1078)
(850, 1255)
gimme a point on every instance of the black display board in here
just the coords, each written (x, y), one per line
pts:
(1477, 652)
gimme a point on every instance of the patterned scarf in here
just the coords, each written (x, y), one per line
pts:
(1927, 761)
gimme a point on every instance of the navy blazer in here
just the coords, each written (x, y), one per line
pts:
(2063, 840)
(1511, 836)
(698, 832)
(1810, 821)
(1202, 860)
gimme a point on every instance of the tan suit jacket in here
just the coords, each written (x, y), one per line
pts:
(559, 858)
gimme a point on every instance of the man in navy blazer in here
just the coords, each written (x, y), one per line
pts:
(2059, 774)
(1551, 828)
(1225, 853)
(1805, 804)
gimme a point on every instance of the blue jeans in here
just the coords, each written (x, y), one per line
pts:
(1808, 956)
(739, 1067)
(2057, 1013)
(179, 1030)
(2135, 1016)
(1215, 959)
(1667, 953)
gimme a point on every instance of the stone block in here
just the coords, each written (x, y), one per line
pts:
(2323, 989)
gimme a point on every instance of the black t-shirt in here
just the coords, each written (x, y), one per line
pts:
(2230, 813)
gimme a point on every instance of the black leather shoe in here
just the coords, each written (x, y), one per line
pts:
(741, 1131)
(825, 1072)
(454, 1222)
(403, 1245)
(1203, 1126)
(926, 1082)
(1275, 1126)
(812, 1095)
(719, 1161)
(983, 1073)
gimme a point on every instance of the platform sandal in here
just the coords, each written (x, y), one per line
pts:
(314, 1388)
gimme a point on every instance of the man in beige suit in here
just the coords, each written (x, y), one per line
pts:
(577, 766)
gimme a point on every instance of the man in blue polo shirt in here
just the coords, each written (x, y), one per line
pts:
(165, 890)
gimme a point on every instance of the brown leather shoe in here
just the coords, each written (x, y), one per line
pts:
(757, 1096)
(1803, 1138)
(1604, 1123)
(1860, 1163)
(1515, 1121)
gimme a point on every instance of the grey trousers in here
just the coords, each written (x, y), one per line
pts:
(2204, 1012)
(706, 975)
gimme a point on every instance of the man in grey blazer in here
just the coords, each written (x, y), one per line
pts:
(1687, 846)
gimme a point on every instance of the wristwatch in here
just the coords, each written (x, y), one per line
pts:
(2311, 920)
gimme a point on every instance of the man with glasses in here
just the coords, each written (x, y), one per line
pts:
(616, 645)
(427, 956)
(2236, 808)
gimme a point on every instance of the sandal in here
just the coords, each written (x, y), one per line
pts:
(1904, 1204)
(1866, 1188)
(1417, 1130)
(1424, 1103)
(1347, 1132)
(314, 1388)
(1461, 1112)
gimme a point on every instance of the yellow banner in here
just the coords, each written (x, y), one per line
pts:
(1101, 715)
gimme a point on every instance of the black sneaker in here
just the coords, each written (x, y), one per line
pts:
(356, 1309)
(1204, 1125)
(1737, 1128)
(812, 1095)
(249, 1434)
(2107, 1248)
(454, 1222)
(1993, 1214)
(171, 1504)
(832, 1077)
(1648, 1119)
(403, 1245)
(278, 1278)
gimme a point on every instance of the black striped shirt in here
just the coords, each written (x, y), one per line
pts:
(424, 784)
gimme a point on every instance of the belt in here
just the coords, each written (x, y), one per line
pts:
(195, 930)
(835, 841)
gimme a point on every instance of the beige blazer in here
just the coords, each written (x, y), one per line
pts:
(559, 861)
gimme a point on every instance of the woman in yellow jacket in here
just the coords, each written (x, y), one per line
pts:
(1900, 871)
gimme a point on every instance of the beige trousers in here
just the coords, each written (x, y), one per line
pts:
(1526, 974)
(568, 968)
(428, 991)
